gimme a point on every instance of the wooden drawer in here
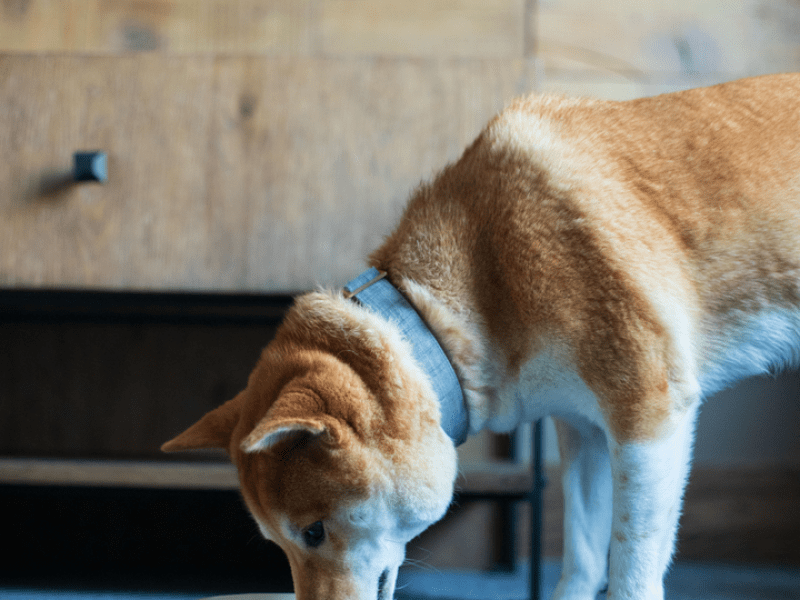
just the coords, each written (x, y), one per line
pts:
(420, 28)
(237, 173)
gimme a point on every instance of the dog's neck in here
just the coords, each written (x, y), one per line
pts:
(373, 290)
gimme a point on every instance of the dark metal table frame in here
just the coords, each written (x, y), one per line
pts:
(535, 498)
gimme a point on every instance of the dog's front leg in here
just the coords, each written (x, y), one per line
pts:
(648, 482)
(586, 477)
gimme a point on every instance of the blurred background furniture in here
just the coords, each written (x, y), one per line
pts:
(255, 149)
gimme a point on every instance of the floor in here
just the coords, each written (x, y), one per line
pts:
(686, 581)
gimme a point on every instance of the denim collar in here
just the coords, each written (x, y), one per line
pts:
(372, 290)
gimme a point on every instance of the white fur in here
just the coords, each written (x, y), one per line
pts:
(548, 384)
(639, 524)
(633, 516)
(586, 478)
(622, 500)
(376, 535)
(758, 344)
(648, 483)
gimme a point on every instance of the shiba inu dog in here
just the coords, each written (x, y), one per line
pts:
(606, 263)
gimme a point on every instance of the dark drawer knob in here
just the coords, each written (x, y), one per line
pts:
(91, 166)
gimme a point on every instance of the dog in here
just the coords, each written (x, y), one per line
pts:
(605, 263)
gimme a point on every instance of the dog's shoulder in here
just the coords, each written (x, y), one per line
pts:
(630, 230)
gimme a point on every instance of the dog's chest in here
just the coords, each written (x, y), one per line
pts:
(547, 384)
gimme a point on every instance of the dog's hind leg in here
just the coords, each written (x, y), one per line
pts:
(648, 482)
(586, 477)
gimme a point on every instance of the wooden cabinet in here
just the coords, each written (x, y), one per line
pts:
(225, 173)
(269, 145)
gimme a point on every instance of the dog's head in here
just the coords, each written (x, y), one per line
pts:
(340, 454)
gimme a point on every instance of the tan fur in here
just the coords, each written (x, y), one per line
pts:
(335, 373)
(621, 219)
(617, 250)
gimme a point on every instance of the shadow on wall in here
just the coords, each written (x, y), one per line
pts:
(757, 422)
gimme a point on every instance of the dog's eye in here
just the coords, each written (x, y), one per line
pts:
(314, 535)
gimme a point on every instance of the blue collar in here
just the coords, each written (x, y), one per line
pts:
(372, 290)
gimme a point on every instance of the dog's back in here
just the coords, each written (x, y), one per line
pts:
(660, 235)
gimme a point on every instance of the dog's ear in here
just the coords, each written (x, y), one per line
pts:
(297, 413)
(271, 431)
(212, 431)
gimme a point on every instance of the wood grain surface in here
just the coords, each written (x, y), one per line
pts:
(176, 26)
(420, 28)
(270, 144)
(225, 173)
(651, 39)
(633, 48)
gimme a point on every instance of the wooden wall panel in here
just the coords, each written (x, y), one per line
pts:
(445, 28)
(640, 37)
(634, 48)
(468, 28)
(233, 172)
(117, 390)
(175, 26)
(225, 174)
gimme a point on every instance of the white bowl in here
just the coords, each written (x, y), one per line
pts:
(253, 597)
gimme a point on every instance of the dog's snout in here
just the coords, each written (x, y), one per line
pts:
(383, 580)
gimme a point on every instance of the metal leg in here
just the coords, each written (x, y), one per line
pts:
(536, 499)
(508, 508)
(506, 561)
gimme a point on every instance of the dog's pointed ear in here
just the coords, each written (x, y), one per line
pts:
(271, 431)
(294, 415)
(214, 430)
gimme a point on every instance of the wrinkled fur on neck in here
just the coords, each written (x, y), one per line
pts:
(461, 340)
